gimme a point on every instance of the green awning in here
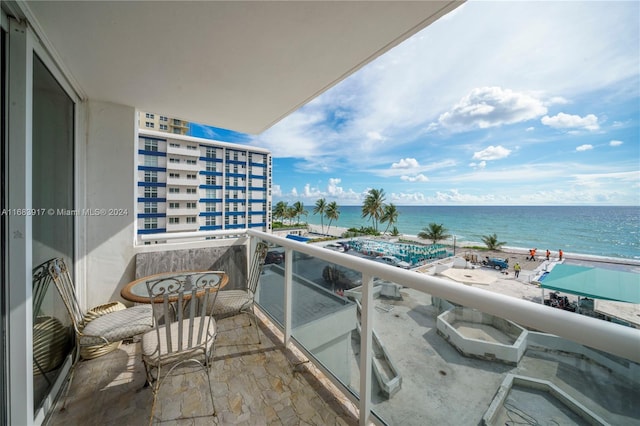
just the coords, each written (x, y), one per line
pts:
(595, 283)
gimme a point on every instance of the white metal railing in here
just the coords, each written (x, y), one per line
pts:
(608, 337)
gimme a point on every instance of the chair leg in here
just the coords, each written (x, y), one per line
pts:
(72, 370)
(252, 314)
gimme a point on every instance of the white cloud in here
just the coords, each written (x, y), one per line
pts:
(585, 147)
(406, 163)
(417, 178)
(486, 107)
(568, 121)
(276, 190)
(492, 153)
(615, 143)
(375, 136)
(530, 129)
(480, 165)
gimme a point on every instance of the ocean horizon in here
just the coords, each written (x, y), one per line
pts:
(609, 231)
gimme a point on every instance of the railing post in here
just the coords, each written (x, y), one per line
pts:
(288, 280)
(366, 338)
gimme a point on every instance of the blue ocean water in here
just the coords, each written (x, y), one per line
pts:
(596, 230)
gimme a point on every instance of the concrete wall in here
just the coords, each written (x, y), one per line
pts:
(110, 167)
(482, 349)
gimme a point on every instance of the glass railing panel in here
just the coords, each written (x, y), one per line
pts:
(438, 363)
(270, 292)
(324, 319)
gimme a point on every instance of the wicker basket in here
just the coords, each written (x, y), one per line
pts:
(50, 342)
(90, 352)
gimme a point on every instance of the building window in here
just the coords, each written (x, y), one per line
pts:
(210, 207)
(150, 176)
(150, 145)
(163, 127)
(210, 193)
(191, 219)
(148, 125)
(191, 162)
(192, 147)
(211, 167)
(150, 192)
(174, 220)
(148, 115)
(211, 152)
(174, 205)
(174, 145)
(191, 205)
(150, 223)
(174, 160)
(211, 180)
(150, 207)
(191, 176)
(174, 175)
(163, 118)
(210, 221)
(191, 190)
(174, 190)
(151, 161)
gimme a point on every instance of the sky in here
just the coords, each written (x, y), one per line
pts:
(497, 103)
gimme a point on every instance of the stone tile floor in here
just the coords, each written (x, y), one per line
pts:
(253, 384)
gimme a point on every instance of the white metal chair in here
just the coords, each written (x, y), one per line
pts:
(234, 302)
(106, 329)
(184, 331)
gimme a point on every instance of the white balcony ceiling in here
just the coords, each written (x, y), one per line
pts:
(237, 65)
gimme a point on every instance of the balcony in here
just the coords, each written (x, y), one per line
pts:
(181, 227)
(183, 151)
(590, 365)
(182, 181)
(182, 196)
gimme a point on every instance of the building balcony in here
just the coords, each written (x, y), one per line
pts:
(181, 227)
(183, 167)
(183, 151)
(401, 349)
(182, 181)
(182, 212)
(182, 196)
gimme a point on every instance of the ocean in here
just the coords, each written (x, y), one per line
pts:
(594, 230)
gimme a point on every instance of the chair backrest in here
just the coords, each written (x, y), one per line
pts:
(56, 270)
(255, 267)
(186, 299)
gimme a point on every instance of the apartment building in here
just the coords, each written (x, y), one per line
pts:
(192, 184)
(162, 123)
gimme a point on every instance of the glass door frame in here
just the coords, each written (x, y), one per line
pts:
(23, 43)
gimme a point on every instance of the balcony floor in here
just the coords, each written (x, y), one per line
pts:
(254, 384)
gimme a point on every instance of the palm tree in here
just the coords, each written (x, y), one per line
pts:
(492, 243)
(280, 210)
(373, 206)
(321, 207)
(332, 213)
(390, 215)
(434, 232)
(298, 209)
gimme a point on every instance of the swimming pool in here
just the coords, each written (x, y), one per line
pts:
(411, 253)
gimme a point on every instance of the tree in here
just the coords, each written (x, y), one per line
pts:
(290, 214)
(332, 213)
(280, 210)
(389, 215)
(434, 232)
(492, 243)
(373, 206)
(320, 207)
(298, 210)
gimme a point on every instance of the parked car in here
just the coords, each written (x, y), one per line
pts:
(276, 257)
(335, 246)
(393, 261)
(495, 263)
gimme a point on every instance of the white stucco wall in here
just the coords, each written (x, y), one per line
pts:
(109, 184)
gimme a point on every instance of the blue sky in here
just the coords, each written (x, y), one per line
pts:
(497, 103)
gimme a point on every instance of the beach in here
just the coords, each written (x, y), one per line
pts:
(514, 254)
